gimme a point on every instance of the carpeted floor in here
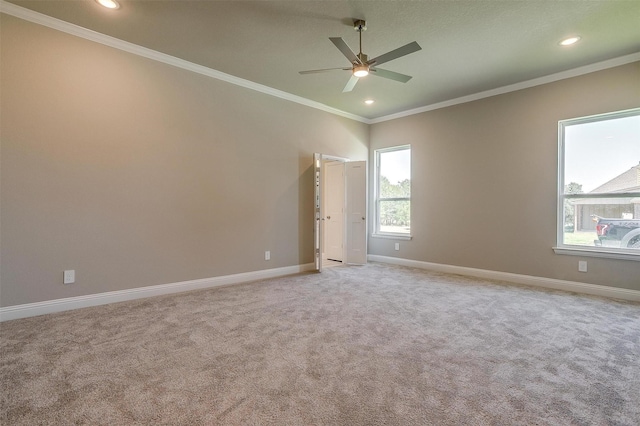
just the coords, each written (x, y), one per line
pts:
(371, 345)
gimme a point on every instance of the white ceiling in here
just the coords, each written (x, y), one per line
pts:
(467, 46)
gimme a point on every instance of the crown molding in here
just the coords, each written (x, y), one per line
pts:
(598, 66)
(78, 31)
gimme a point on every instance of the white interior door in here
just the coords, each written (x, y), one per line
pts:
(334, 210)
(356, 206)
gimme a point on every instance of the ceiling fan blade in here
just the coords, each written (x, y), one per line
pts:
(345, 49)
(323, 70)
(395, 54)
(402, 78)
(350, 84)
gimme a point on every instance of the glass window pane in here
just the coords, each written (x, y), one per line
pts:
(602, 222)
(598, 153)
(395, 216)
(395, 174)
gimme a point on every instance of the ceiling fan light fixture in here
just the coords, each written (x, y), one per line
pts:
(361, 71)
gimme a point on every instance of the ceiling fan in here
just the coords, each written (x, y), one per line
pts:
(361, 66)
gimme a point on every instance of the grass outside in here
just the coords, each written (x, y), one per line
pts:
(580, 238)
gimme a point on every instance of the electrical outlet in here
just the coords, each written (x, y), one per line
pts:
(69, 276)
(267, 255)
(582, 266)
(397, 246)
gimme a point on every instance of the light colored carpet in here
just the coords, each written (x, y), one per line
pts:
(371, 345)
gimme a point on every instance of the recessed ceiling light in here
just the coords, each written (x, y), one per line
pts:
(569, 41)
(109, 4)
(369, 101)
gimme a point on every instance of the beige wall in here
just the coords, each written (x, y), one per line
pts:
(136, 173)
(484, 178)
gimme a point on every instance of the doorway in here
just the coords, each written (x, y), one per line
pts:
(334, 203)
(340, 211)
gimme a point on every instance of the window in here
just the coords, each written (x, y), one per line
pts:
(393, 191)
(599, 185)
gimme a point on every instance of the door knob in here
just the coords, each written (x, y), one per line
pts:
(362, 217)
(328, 217)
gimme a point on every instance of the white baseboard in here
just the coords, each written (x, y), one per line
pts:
(573, 286)
(59, 305)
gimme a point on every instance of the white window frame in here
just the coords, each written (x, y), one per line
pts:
(376, 187)
(588, 251)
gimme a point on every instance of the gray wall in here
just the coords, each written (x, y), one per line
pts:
(136, 173)
(484, 178)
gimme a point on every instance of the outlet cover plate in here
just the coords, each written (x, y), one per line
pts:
(69, 276)
(582, 266)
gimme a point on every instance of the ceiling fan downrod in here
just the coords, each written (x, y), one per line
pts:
(360, 25)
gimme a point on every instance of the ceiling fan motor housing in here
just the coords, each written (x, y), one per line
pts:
(363, 58)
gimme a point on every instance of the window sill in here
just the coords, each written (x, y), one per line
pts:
(393, 236)
(606, 254)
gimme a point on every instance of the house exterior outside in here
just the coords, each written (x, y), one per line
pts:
(627, 208)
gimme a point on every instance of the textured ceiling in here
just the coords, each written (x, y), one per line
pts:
(467, 46)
